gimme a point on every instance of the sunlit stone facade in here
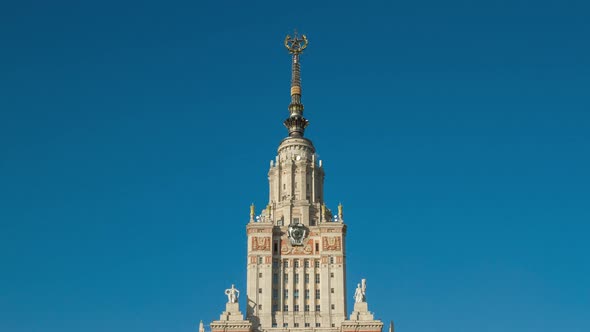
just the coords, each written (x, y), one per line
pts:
(296, 264)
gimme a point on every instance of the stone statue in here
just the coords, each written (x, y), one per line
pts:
(252, 210)
(232, 294)
(360, 292)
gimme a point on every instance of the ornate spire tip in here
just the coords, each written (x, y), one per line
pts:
(296, 44)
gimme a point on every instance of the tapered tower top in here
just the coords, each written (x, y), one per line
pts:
(296, 123)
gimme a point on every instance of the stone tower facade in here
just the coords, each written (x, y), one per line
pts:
(296, 264)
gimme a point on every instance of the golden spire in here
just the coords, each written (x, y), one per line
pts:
(296, 123)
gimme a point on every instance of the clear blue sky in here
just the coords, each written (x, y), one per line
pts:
(135, 134)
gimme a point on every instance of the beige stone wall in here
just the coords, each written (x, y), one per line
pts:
(282, 276)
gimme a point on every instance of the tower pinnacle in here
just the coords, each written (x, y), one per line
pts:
(296, 123)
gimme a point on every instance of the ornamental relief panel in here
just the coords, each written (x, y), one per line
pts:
(331, 243)
(306, 249)
(260, 243)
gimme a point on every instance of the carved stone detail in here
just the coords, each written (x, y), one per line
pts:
(306, 249)
(260, 243)
(332, 243)
(259, 230)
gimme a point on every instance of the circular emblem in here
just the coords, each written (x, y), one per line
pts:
(297, 234)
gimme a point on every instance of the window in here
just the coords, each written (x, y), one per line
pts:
(296, 278)
(295, 324)
(285, 278)
(333, 325)
(275, 263)
(307, 324)
(317, 263)
(333, 306)
(260, 275)
(259, 260)
(331, 259)
(275, 278)
(317, 294)
(285, 308)
(296, 307)
(286, 294)
(318, 325)
(274, 324)
(296, 294)
(306, 278)
(275, 247)
(285, 324)
(307, 263)
(332, 290)
(317, 307)
(285, 264)
(259, 290)
(317, 249)
(307, 293)
(331, 274)
(275, 293)
(317, 278)
(296, 263)
(306, 307)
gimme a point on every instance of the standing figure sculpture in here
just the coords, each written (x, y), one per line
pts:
(232, 294)
(360, 294)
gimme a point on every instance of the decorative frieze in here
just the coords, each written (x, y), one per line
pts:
(331, 243)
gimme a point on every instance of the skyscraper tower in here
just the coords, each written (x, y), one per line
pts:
(296, 264)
